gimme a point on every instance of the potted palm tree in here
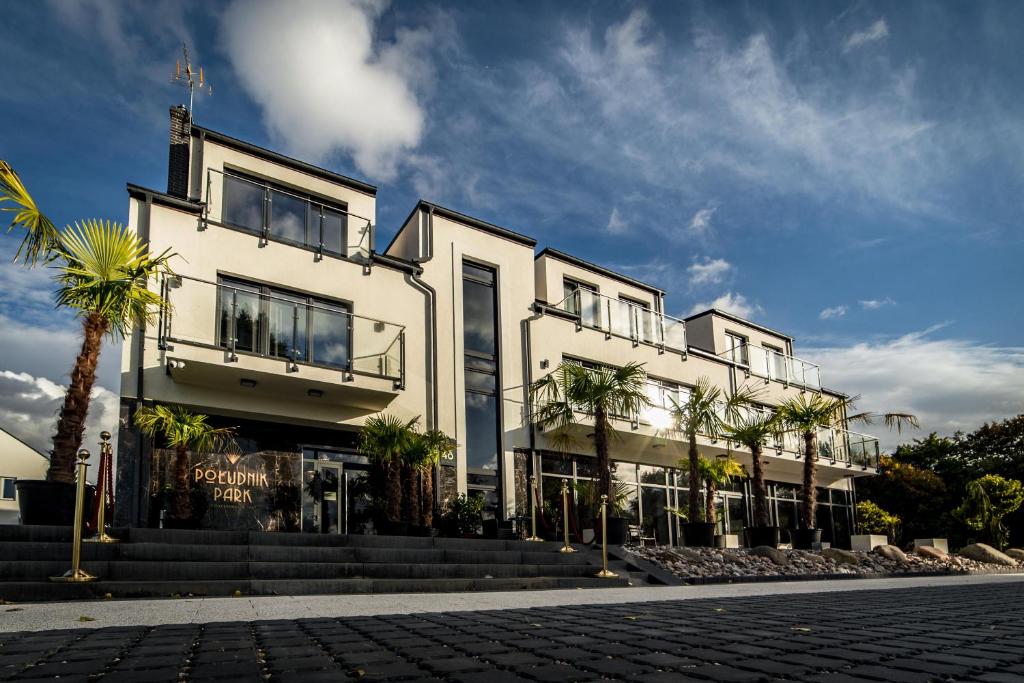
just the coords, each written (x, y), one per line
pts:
(806, 415)
(752, 431)
(386, 439)
(572, 393)
(421, 456)
(705, 411)
(184, 431)
(103, 271)
(716, 473)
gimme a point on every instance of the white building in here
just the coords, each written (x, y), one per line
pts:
(18, 460)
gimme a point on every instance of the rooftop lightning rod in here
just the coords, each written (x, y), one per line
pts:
(190, 79)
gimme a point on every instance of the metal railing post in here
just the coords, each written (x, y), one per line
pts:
(605, 573)
(533, 509)
(76, 574)
(294, 350)
(233, 327)
(565, 519)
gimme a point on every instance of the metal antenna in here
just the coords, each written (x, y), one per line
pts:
(190, 79)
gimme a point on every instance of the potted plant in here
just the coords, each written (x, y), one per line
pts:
(183, 431)
(704, 412)
(874, 524)
(462, 516)
(807, 414)
(752, 431)
(423, 452)
(716, 473)
(571, 393)
(385, 439)
(102, 272)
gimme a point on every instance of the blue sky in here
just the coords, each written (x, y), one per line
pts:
(850, 173)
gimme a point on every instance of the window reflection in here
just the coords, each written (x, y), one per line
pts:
(243, 204)
(287, 217)
(331, 337)
(481, 434)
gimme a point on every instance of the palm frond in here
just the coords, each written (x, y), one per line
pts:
(41, 236)
(182, 428)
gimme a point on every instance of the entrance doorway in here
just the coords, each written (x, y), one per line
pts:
(335, 493)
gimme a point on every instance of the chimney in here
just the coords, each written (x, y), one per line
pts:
(178, 161)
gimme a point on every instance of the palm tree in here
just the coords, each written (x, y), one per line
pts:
(104, 276)
(716, 473)
(386, 439)
(752, 431)
(705, 412)
(806, 414)
(428, 449)
(602, 393)
(183, 431)
(41, 236)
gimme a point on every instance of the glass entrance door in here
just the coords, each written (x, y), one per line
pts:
(358, 517)
(336, 498)
(327, 518)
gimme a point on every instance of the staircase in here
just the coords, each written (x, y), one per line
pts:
(178, 563)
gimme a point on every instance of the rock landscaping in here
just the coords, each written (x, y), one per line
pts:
(707, 563)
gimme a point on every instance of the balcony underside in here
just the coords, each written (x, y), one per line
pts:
(209, 367)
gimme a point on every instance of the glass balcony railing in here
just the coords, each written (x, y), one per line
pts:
(625, 319)
(275, 214)
(245, 318)
(773, 365)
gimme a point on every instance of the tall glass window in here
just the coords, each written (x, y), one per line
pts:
(481, 363)
(736, 348)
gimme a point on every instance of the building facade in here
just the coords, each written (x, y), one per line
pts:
(288, 321)
(18, 460)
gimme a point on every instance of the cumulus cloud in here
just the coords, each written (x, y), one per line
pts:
(708, 272)
(877, 31)
(949, 384)
(617, 225)
(833, 312)
(328, 83)
(730, 302)
(700, 224)
(875, 304)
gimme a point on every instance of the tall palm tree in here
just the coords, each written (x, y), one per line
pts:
(806, 414)
(716, 473)
(601, 393)
(184, 431)
(386, 439)
(427, 450)
(752, 430)
(41, 236)
(103, 275)
(705, 412)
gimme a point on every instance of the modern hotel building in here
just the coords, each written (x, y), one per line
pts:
(288, 321)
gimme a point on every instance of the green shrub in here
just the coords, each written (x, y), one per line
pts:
(872, 519)
(989, 499)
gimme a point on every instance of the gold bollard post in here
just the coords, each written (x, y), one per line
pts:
(76, 574)
(107, 455)
(565, 518)
(533, 509)
(604, 573)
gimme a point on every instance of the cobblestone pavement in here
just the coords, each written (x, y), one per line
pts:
(969, 633)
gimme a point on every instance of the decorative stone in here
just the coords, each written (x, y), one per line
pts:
(1016, 553)
(986, 553)
(890, 552)
(930, 552)
(939, 543)
(840, 556)
(774, 554)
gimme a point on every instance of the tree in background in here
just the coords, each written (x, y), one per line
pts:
(917, 495)
(989, 499)
(872, 519)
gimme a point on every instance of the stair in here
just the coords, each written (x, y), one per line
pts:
(176, 562)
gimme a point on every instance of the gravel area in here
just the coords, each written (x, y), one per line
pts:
(723, 563)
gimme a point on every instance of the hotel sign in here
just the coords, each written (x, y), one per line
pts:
(231, 484)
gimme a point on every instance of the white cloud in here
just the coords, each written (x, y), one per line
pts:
(833, 312)
(700, 224)
(708, 272)
(875, 304)
(328, 83)
(876, 31)
(616, 223)
(737, 304)
(949, 384)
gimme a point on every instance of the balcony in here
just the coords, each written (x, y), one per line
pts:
(235, 332)
(772, 365)
(619, 318)
(276, 214)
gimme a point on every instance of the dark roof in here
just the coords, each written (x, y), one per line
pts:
(736, 318)
(569, 258)
(249, 148)
(159, 197)
(483, 226)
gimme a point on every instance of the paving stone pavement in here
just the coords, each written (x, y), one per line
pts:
(962, 633)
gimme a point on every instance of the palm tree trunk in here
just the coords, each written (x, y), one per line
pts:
(810, 491)
(604, 470)
(411, 500)
(71, 424)
(709, 504)
(181, 499)
(693, 511)
(427, 498)
(394, 491)
(758, 488)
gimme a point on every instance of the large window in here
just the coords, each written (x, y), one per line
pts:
(284, 215)
(736, 348)
(272, 322)
(481, 363)
(583, 300)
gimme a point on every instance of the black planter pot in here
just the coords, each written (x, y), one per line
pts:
(50, 502)
(618, 530)
(390, 528)
(490, 528)
(699, 534)
(770, 536)
(804, 539)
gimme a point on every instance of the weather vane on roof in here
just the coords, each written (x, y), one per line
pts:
(190, 79)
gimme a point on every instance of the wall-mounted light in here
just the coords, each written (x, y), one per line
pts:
(176, 364)
(314, 393)
(247, 383)
(544, 364)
